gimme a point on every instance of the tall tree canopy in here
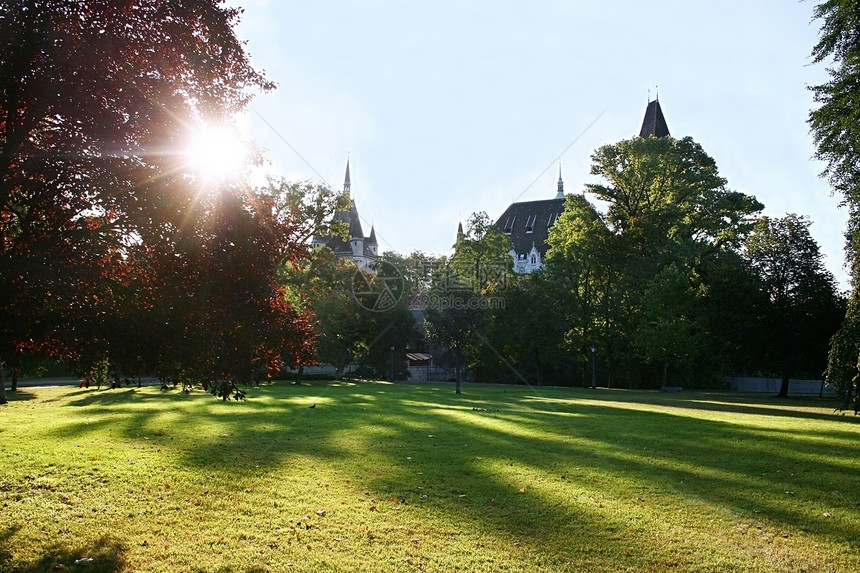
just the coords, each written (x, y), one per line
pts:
(835, 127)
(666, 207)
(835, 123)
(464, 295)
(102, 216)
(804, 309)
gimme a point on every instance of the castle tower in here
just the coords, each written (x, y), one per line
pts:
(654, 124)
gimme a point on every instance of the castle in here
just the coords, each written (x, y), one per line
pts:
(527, 223)
(358, 248)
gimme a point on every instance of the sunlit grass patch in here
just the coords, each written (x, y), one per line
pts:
(413, 477)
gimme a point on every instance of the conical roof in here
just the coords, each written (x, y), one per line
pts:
(654, 123)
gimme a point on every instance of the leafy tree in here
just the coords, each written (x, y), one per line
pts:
(3, 399)
(481, 260)
(669, 332)
(836, 132)
(843, 367)
(583, 260)
(805, 308)
(349, 331)
(664, 194)
(322, 284)
(733, 316)
(529, 330)
(110, 244)
(479, 274)
(665, 204)
(834, 124)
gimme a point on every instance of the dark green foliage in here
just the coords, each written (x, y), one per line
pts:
(111, 245)
(634, 276)
(804, 309)
(843, 370)
(835, 127)
(465, 295)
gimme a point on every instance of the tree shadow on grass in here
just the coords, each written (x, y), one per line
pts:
(20, 395)
(105, 555)
(769, 406)
(581, 448)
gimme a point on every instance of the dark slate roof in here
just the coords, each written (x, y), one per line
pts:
(346, 182)
(351, 218)
(654, 122)
(353, 221)
(529, 222)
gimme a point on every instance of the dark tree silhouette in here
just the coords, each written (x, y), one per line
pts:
(110, 245)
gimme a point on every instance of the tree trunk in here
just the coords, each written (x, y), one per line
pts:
(783, 388)
(3, 399)
(14, 387)
(299, 375)
(665, 373)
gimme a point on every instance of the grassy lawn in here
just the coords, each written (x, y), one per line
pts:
(381, 477)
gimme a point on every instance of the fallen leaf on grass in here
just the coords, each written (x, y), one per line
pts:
(828, 514)
(372, 508)
(320, 512)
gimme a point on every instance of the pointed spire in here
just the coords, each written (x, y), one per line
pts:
(346, 183)
(560, 194)
(654, 123)
(371, 240)
(460, 234)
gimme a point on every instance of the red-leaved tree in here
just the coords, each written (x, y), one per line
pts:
(110, 247)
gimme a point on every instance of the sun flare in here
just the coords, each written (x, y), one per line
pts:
(216, 152)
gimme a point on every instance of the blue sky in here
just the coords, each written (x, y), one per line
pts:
(452, 107)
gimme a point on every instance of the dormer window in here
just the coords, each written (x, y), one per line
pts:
(530, 223)
(509, 225)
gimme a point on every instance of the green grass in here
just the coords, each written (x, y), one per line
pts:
(403, 477)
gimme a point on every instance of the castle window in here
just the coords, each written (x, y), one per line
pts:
(530, 223)
(533, 259)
